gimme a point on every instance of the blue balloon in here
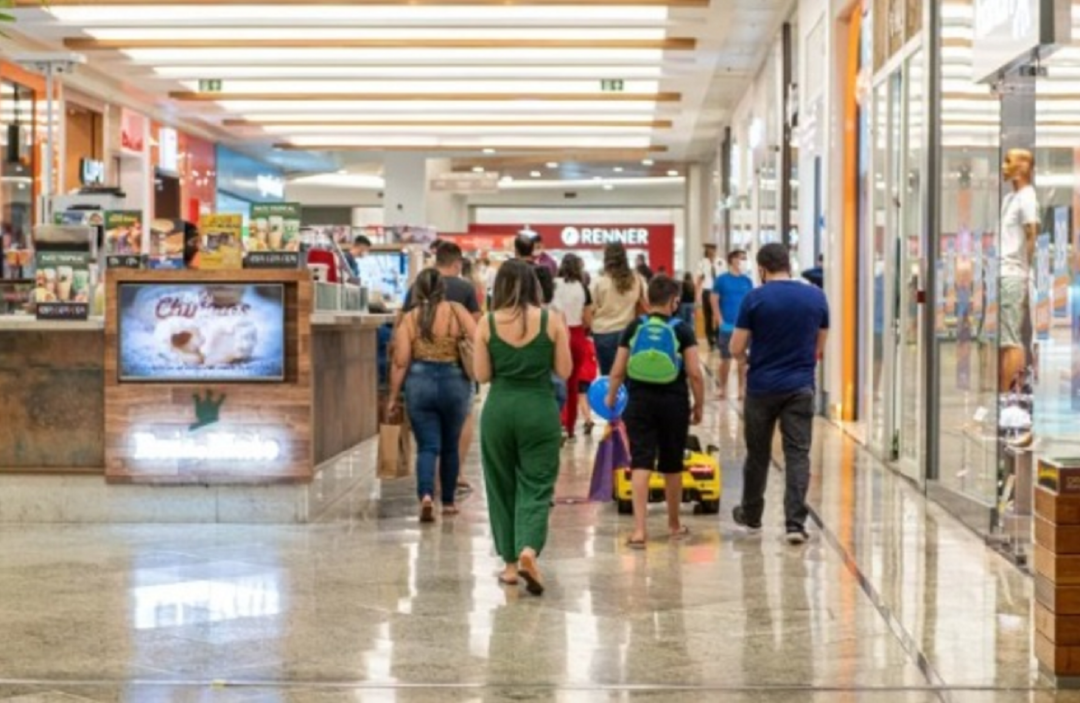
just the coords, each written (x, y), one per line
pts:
(598, 392)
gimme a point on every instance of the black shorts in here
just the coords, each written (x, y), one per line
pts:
(657, 424)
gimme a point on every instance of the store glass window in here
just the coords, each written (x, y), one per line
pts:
(967, 299)
(17, 170)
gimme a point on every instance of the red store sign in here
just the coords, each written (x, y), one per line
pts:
(657, 240)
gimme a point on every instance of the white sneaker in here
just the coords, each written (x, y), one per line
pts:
(796, 538)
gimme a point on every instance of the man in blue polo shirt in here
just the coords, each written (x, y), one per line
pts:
(783, 325)
(729, 291)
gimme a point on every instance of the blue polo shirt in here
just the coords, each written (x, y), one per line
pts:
(731, 290)
(783, 319)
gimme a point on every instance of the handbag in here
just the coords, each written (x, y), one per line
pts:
(466, 350)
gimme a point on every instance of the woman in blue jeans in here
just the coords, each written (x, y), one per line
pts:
(438, 394)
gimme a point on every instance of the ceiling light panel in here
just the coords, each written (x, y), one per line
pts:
(403, 56)
(477, 144)
(329, 72)
(300, 88)
(571, 118)
(417, 34)
(360, 107)
(599, 130)
(305, 14)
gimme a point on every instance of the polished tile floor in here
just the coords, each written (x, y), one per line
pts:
(892, 601)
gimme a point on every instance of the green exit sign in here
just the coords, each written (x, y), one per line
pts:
(616, 85)
(210, 86)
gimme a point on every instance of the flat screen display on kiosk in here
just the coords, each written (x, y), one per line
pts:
(196, 332)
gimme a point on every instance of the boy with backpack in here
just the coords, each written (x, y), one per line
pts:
(657, 356)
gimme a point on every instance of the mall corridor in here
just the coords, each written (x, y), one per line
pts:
(892, 601)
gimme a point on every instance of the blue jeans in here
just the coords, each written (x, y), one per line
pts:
(437, 398)
(607, 346)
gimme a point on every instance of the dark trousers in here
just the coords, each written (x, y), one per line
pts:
(710, 322)
(795, 413)
(607, 348)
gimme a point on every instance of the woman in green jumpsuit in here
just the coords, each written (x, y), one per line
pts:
(519, 347)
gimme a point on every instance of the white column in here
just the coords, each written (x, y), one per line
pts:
(446, 212)
(699, 211)
(405, 194)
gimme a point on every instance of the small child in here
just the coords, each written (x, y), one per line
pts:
(657, 355)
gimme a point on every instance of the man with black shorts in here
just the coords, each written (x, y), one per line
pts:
(657, 356)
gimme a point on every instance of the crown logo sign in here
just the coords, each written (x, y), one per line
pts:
(207, 410)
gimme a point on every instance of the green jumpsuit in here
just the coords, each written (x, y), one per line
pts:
(520, 437)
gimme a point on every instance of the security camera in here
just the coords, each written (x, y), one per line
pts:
(56, 62)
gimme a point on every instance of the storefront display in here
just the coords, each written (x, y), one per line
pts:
(124, 233)
(655, 242)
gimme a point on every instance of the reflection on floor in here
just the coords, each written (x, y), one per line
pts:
(892, 602)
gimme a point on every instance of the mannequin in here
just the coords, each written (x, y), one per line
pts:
(1019, 230)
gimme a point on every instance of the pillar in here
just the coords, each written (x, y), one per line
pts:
(699, 211)
(408, 200)
(405, 193)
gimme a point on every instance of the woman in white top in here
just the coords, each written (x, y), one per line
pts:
(618, 294)
(574, 302)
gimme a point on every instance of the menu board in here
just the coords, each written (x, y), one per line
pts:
(221, 245)
(274, 227)
(62, 277)
(194, 332)
(123, 233)
(166, 244)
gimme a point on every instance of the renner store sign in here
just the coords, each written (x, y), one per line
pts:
(657, 240)
(574, 237)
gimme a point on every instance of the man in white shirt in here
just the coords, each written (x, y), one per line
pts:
(1019, 230)
(708, 270)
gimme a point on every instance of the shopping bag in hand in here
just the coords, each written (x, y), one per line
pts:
(613, 454)
(395, 444)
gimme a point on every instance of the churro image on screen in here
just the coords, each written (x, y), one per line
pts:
(198, 332)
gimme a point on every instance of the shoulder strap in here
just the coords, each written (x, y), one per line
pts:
(494, 327)
(674, 322)
(544, 320)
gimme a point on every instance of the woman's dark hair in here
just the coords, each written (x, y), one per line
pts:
(516, 289)
(572, 269)
(617, 267)
(774, 258)
(428, 291)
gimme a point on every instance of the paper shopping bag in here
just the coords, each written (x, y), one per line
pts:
(395, 445)
(612, 454)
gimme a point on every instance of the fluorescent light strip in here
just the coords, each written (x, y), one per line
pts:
(417, 34)
(420, 87)
(465, 143)
(408, 55)
(588, 183)
(301, 13)
(329, 72)
(462, 129)
(306, 117)
(479, 109)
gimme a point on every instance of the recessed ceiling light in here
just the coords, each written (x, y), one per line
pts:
(535, 174)
(506, 179)
(608, 186)
(489, 151)
(646, 162)
(596, 178)
(552, 164)
(478, 169)
(617, 169)
(673, 173)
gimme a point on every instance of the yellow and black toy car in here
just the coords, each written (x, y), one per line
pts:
(701, 479)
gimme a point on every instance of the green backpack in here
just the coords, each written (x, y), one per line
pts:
(655, 352)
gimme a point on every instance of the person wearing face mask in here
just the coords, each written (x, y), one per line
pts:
(658, 358)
